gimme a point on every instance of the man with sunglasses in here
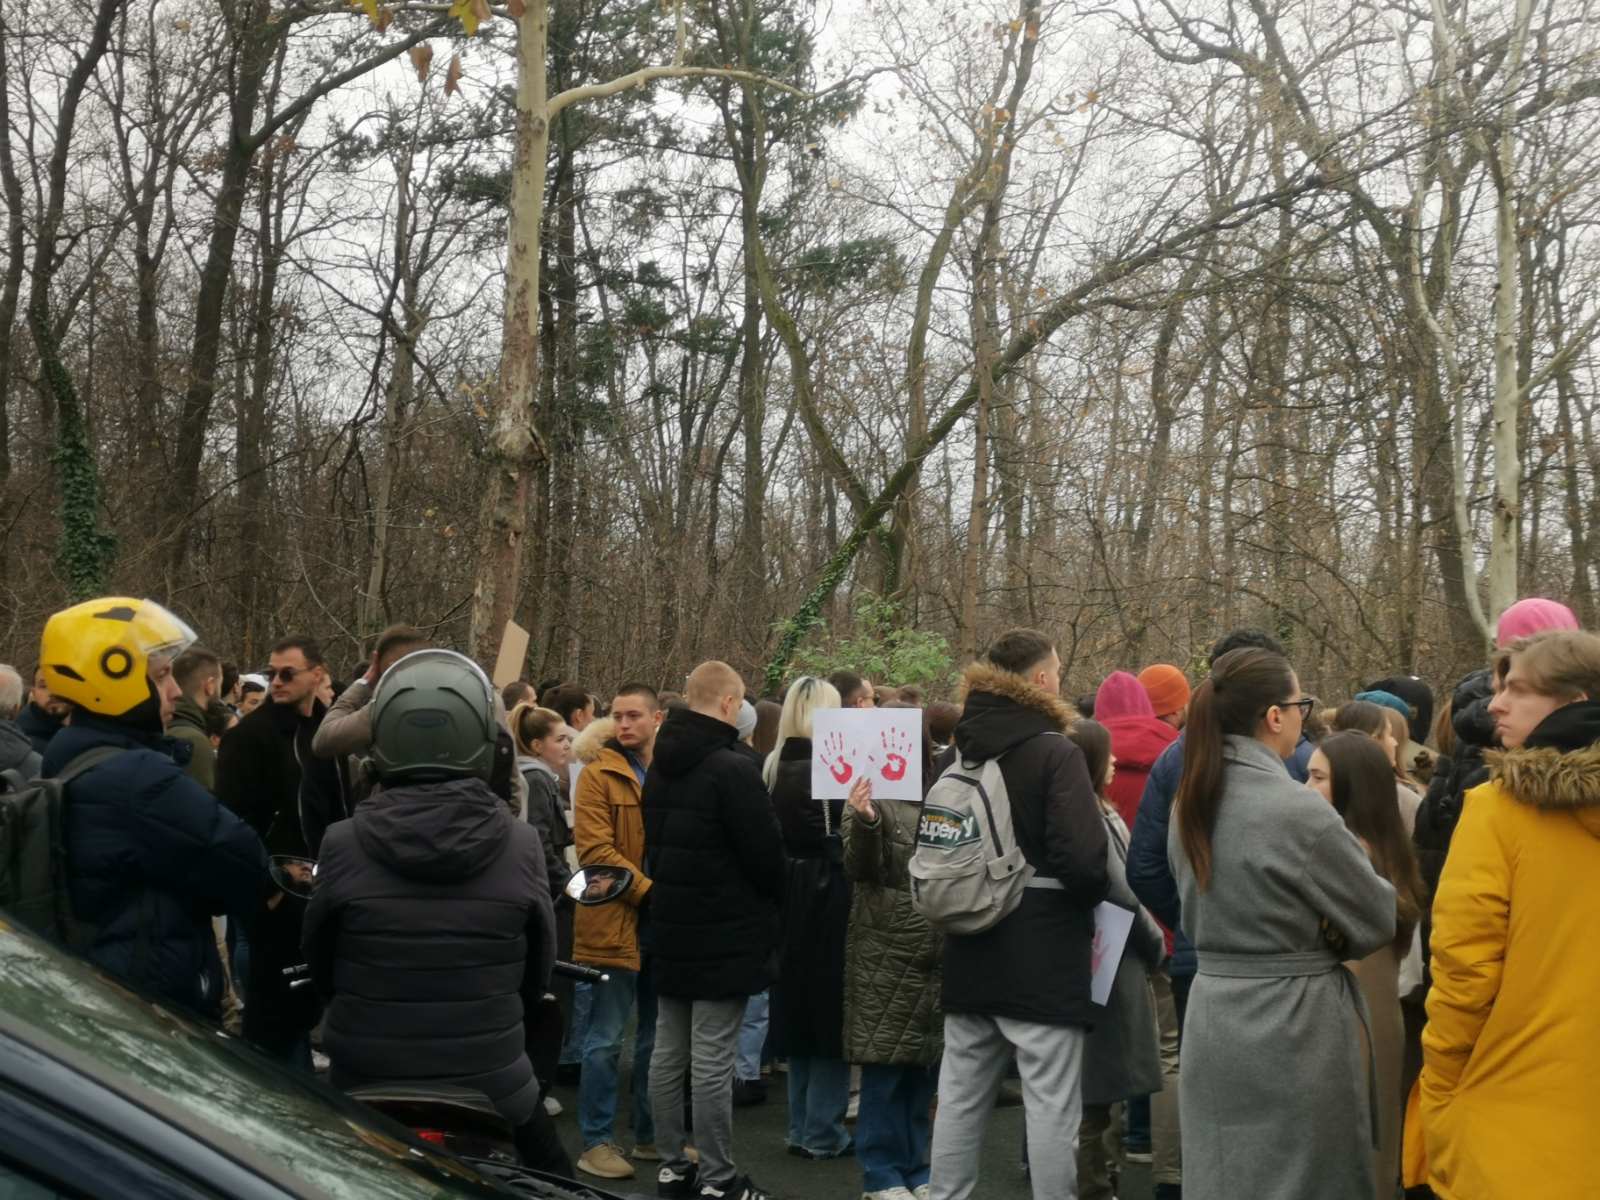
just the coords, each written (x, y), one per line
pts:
(266, 761)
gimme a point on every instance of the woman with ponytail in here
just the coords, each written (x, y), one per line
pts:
(1276, 893)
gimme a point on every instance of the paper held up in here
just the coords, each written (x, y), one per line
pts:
(882, 744)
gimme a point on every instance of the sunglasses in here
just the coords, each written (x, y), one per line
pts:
(287, 674)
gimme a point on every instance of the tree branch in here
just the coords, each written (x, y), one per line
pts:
(624, 83)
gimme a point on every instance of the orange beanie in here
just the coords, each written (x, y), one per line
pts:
(1169, 690)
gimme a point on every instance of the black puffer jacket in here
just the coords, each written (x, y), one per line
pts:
(1034, 964)
(808, 1002)
(715, 859)
(1455, 776)
(151, 858)
(432, 933)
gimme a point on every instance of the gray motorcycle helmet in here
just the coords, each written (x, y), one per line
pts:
(433, 719)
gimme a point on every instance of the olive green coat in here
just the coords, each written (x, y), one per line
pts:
(892, 955)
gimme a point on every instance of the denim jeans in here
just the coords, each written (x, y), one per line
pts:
(752, 1037)
(610, 1004)
(578, 1026)
(819, 1093)
(893, 1130)
(1136, 1124)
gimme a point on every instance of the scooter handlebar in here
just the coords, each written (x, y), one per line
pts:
(581, 973)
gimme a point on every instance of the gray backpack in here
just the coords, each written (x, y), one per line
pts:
(967, 873)
(33, 850)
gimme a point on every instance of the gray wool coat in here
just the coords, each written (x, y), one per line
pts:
(1273, 1052)
(1122, 1053)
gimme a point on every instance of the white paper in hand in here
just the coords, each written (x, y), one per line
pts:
(883, 744)
(1112, 924)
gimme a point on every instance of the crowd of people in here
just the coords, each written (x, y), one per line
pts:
(1360, 957)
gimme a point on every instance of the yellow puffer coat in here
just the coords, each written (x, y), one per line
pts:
(1509, 1096)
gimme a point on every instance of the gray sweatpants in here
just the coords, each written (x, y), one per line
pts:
(699, 1038)
(976, 1052)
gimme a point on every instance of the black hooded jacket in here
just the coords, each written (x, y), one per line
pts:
(715, 860)
(431, 932)
(1035, 964)
(1455, 776)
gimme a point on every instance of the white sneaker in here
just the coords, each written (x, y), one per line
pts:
(553, 1107)
(894, 1193)
(923, 1192)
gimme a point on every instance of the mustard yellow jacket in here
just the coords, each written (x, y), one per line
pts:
(608, 827)
(1510, 1088)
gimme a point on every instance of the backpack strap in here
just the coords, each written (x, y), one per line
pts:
(87, 761)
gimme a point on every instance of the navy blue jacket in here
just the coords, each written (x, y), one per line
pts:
(151, 857)
(1149, 873)
(38, 725)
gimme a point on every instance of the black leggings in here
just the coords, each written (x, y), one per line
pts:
(539, 1145)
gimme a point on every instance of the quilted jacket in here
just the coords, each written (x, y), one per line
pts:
(892, 956)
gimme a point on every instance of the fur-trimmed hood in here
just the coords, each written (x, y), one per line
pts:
(1549, 780)
(1001, 710)
(593, 739)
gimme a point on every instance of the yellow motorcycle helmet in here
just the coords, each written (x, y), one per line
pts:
(97, 654)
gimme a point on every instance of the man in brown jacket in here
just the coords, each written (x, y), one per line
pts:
(608, 827)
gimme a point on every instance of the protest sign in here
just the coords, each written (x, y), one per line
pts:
(883, 744)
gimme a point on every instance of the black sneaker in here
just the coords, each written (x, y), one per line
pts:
(749, 1091)
(678, 1185)
(740, 1189)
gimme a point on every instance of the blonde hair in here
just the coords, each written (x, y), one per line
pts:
(710, 682)
(805, 696)
(1561, 663)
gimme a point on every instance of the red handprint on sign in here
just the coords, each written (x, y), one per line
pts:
(896, 746)
(840, 769)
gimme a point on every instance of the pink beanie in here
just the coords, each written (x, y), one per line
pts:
(1121, 695)
(1533, 615)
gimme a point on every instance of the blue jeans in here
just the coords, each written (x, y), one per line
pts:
(1136, 1124)
(752, 1037)
(578, 1030)
(893, 1131)
(819, 1093)
(610, 1004)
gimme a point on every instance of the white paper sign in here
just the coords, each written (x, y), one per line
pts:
(883, 744)
(1112, 924)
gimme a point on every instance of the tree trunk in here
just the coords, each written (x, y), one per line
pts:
(399, 396)
(514, 447)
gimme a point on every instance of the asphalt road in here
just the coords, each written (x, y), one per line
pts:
(758, 1144)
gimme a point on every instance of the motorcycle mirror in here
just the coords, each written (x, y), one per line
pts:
(297, 876)
(599, 884)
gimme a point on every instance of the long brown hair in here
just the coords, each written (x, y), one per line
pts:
(1242, 685)
(1094, 739)
(1374, 720)
(1364, 795)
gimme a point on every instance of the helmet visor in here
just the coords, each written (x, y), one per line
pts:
(159, 634)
